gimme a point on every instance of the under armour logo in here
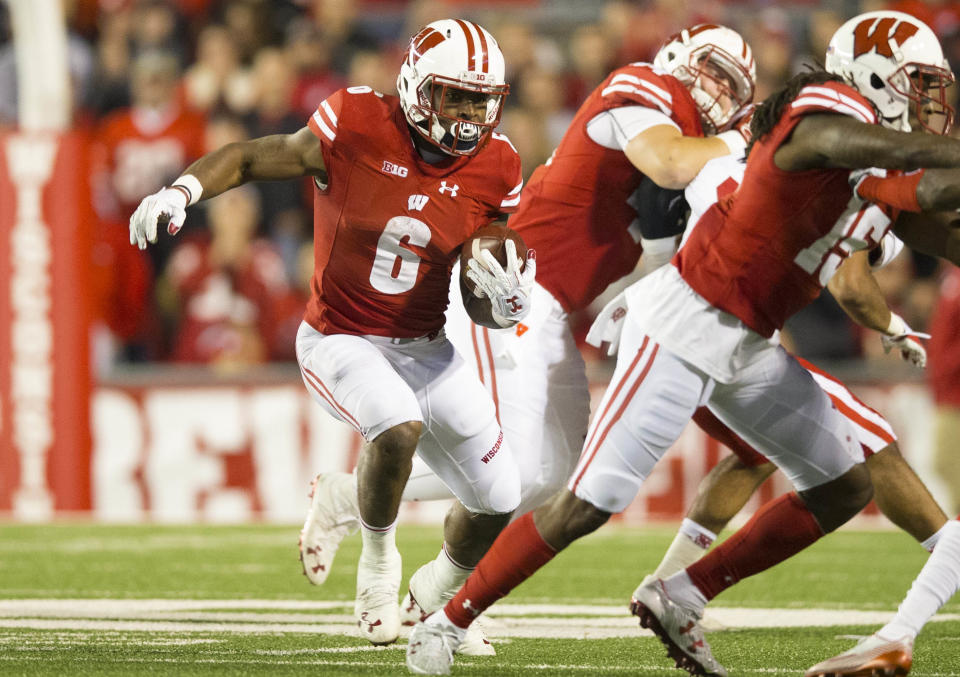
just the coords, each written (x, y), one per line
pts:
(618, 314)
(416, 203)
(472, 609)
(515, 305)
(370, 626)
(453, 189)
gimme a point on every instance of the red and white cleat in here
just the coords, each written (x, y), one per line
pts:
(333, 515)
(872, 657)
(677, 628)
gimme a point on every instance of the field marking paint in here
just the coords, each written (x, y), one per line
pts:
(505, 621)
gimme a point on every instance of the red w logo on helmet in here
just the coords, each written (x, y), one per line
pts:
(423, 41)
(880, 38)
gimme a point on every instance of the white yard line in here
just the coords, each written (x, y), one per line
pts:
(504, 621)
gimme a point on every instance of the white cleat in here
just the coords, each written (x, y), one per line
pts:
(423, 598)
(376, 610)
(430, 648)
(677, 628)
(333, 515)
(872, 657)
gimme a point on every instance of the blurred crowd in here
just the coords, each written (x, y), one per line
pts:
(160, 82)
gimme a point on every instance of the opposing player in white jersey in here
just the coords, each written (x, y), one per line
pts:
(400, 184)
(586, 212)
(899, 493)
(701, 331)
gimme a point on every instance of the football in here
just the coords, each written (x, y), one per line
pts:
(492, 238)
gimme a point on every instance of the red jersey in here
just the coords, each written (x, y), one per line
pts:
(139, 153)
(226, 312)
(388, 226)
(767, 250)
(576, 209)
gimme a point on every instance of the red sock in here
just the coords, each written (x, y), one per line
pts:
(513, 558)
(780, 529)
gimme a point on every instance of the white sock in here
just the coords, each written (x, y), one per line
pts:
(681, 590)
(936, 583)
(379, 543)
(448, 573)
(690, 544)
(424, 485)
(440, 618)
(931, 542)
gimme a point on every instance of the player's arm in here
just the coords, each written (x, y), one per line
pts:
(825, 140)
(670, 159)
(269, 158)
(856, 290)
(936, 234)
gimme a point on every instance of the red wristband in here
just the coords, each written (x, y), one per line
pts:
(899, 192)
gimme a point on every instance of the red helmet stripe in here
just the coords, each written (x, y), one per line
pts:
(700, 28)
(471, 45)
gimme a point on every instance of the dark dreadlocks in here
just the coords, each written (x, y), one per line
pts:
(769, 111)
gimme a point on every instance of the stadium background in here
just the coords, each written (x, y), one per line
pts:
(160, 385)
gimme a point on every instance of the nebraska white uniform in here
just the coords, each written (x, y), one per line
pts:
(702, 330)
(387, 229)
(578, 213)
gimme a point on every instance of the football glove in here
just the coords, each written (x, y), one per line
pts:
(167, 207)
(899, 335)
(508, 289)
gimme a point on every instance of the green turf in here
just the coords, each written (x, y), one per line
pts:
(847, 570)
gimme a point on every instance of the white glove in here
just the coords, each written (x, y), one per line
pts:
(508, 290)
(609, 324)
(899, 335)
(165, 207)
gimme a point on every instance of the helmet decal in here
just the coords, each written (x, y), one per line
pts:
(880, 38)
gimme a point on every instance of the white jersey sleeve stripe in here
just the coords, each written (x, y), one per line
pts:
(831, 105)
(634, 80)
(516, 189)
(510, 202)
(833, 94)
(328, 109)
(665, 109)
(327, 132)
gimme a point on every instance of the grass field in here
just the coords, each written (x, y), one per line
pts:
(78, 599)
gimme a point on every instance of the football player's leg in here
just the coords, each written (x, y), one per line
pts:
(897, 490)
(889, 651)
(353, 381)
(903, 497)
(778, 408)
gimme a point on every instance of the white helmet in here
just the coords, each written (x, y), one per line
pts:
(878, 52)
(452, 59)
(687, 55)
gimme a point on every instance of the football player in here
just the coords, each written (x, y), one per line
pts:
(589, 214)
(400, 183)
(899, 493)
(701, 331)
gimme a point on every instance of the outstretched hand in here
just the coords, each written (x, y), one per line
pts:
(164, 209)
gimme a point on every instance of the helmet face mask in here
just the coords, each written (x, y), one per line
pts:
(896, 62)
(716, 65)
(451, 85)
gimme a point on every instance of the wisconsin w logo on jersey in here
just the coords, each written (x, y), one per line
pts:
(416, 203)
(880, 38)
